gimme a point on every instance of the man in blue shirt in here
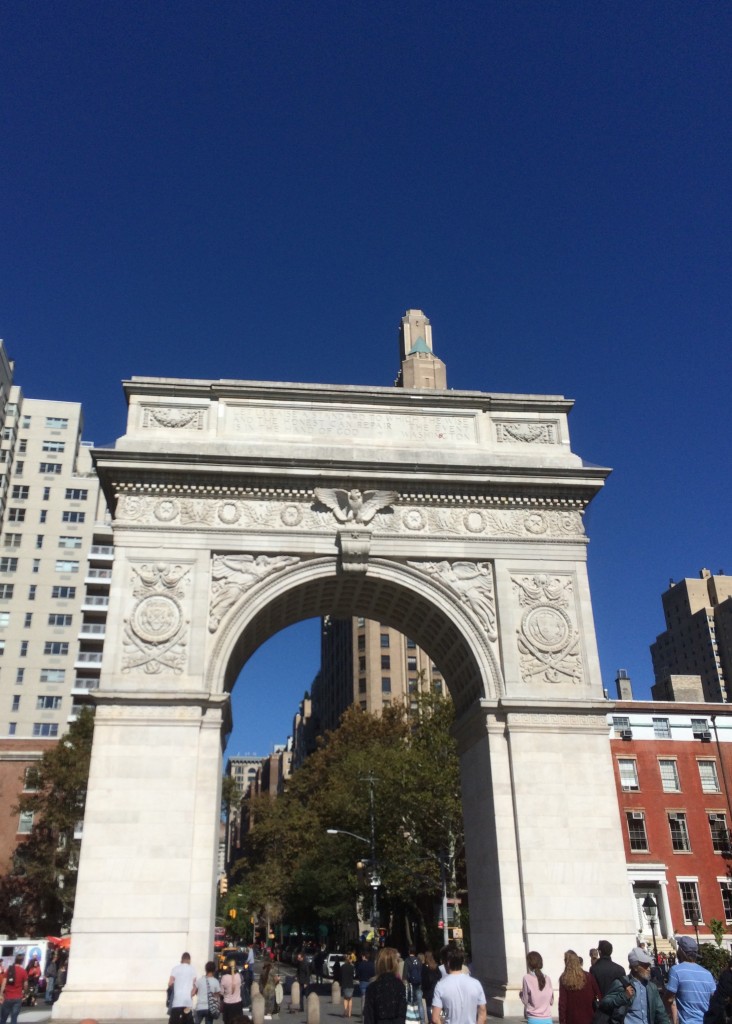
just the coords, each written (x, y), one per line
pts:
(689, 987)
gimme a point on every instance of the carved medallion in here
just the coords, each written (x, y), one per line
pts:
(548, 643)
(155, 634)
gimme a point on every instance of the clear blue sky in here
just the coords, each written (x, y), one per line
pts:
(259, 190)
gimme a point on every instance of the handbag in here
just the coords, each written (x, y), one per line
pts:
(214, 1006)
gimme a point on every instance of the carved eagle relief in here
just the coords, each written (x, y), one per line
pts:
(354, 506)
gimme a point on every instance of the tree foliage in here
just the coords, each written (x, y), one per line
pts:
(37, 894)
(291, 863)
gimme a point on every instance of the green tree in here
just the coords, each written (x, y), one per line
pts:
(37, 894)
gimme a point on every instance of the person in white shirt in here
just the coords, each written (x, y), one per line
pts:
(461, 997)
(183, 980)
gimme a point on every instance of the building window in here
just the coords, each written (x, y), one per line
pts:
(20, 492)
(19, 676)
(362, 664)
(66, 593)
(11, 728)
(699, 726)
(6, 591)
(28, 621)
(25, 822)
(412, 684)
(669, 775)
(65, 565)
(16, 703)
(25, 422)
(628, 774)
(679, 832)
(23, 648)
(31, 780)
(55, 647)
(53, 675)
(662, 728)
(362, 643)
(49, 467)
(53, 446)
(43, 515)
(411, 644)
(56, 423)
(73, 517)
(46, 493)
(636, 821)
(362, 684)
(386, 684)
(36, 566)
(8, 564)
(16, 515)
(59, 620)
(69, 542)
(18, 468)
(690, 901)
(725, 888)
(22, 445)
(412, 663)
(384, 639)
(39, 540)
(437, 686)
(4, 619)
(46, 729)
(31, 592)
(48, 703)
(720, 835)
(385, 661)
(76, 494)
(708, 776)
(12, 540)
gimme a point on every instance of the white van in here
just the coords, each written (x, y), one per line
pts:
(39, 948)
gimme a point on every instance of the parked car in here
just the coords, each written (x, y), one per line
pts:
(330, 960)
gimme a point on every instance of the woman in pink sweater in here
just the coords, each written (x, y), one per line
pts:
(537, 994)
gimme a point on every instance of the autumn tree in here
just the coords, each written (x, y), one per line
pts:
(37, 894)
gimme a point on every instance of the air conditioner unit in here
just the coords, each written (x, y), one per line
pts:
(637, 814)
(705, 737)
(626, 734)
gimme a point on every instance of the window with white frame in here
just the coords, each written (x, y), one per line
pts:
(636, 822)
(53, 446)
(69, 542)
(73, 517)
(679, 832)
(56, 423)
(689, 892)
(65, 593)
(55, 647)
(25, 822)
(65, 565)
(718, 828)
(662, 728)
(76, 494)
(31, 779)
(6, 590)
(53, 675)
(725, 889)
(628, 774)
(12, 540)
(56, 619)
(45, 729)
(708, 775)
(8, 564)
(48, 702)
(4, 619)
(621, 723)
(16, 515)
(669, 774)
(699, 726)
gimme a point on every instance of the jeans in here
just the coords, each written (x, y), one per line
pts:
(416, 997)
(10, 1008)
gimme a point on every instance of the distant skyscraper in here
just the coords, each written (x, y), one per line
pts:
(420, 367)
(698, 635)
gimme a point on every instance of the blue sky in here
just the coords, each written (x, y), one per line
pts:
(259, 190)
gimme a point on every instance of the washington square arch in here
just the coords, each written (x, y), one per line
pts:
(240, 508)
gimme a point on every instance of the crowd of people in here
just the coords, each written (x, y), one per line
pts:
(25, 986)
(673, 989)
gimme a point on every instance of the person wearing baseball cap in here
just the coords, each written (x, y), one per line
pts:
(634, 999)
(690, 986)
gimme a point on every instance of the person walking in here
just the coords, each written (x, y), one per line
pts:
(413, 978)
(385, 1001)
(578, 991)
(364, 973)
(207, 986)
(269, 979)
(605, 971)
(430, 976)
(537, 993)
(634, 999)
(13, 989)
(690, 986)
(183, 982)
(231, 1005)
(50, 976)
(457, 994)
(347, 982)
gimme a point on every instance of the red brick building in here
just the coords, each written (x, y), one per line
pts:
(673, 764)
(17, 760)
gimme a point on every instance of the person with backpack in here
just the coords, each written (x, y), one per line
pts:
(413, 978)
(13, 990)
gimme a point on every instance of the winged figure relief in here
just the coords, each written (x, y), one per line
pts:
(354, 506)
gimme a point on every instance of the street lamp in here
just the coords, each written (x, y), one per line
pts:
(375, 879)
(651, 910)
(695, 919)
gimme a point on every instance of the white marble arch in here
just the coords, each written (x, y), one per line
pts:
(240, 508)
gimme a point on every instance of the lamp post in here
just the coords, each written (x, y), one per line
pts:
(375, 879)
(695, 918)
(651, 911)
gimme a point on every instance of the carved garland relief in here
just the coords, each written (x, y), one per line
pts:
(331, 507)
(472, 584)
(233, 576)
(155, 633)
(548, 642)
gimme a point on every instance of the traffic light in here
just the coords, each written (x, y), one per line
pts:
(223, 884)
(232, 912)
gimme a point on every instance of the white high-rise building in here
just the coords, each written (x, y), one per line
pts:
(55, 571)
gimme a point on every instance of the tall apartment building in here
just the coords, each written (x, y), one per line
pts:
(55, 572)
(368, 664)
(698, 635)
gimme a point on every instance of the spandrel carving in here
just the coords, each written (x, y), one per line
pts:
(233, 576)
